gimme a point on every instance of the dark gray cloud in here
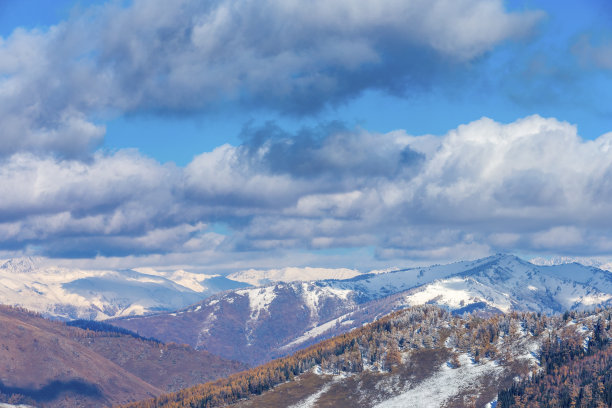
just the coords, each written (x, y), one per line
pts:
(331, 150)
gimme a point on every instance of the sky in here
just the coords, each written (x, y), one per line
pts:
(224, 135)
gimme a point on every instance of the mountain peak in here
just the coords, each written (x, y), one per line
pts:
(507, 258)
(20, 265)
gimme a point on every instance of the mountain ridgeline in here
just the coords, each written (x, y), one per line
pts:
(255, 325)
(69, 294)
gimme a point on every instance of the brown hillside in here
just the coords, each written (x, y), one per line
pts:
(49, 364)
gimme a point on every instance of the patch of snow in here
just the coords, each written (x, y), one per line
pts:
(317, 331)
(205, 329)
(310, 401)
(444, 384)
(5, 405)
(457, 292)
(259, 299)
(492, 404)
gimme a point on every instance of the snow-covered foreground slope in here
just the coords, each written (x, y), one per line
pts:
(439, 360)
(99, 294)
(256, 324)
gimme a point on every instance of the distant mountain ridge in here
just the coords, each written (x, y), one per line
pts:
(68, 293)
(254, 325)
(265, 277)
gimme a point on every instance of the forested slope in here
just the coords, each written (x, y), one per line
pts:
(395, 357)
(574, 373)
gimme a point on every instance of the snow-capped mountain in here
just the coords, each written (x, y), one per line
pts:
(502, 282)
(559, 260)
(257, 277)
(257, 324)
(99, 294)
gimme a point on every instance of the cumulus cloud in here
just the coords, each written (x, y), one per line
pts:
(188, 56)
(118, 203)
(533, 185)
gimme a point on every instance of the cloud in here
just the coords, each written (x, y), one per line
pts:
(533, 185)
(484, 186)
(186, 57)
(114, 203)
(328, 151)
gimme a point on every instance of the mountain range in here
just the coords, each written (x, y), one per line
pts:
(254, 325)
(164, 331)
(69, 293)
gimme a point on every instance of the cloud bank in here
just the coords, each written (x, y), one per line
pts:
(533, 185)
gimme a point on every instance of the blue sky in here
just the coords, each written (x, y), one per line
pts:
(235, 134)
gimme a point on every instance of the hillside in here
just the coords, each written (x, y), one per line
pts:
(255, 325)
(573, 374)
(46, 362)
(67, 294)
(422, 356)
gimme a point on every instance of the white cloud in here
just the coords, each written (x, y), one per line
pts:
(533, 185)
(559, 238)
(487, 186)
(530, 186)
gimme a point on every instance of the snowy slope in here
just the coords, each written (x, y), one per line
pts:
(505, 283)
(99, 294)
(256, 324)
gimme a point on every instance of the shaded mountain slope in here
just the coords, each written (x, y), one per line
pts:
(46, 362)
(37, 362)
